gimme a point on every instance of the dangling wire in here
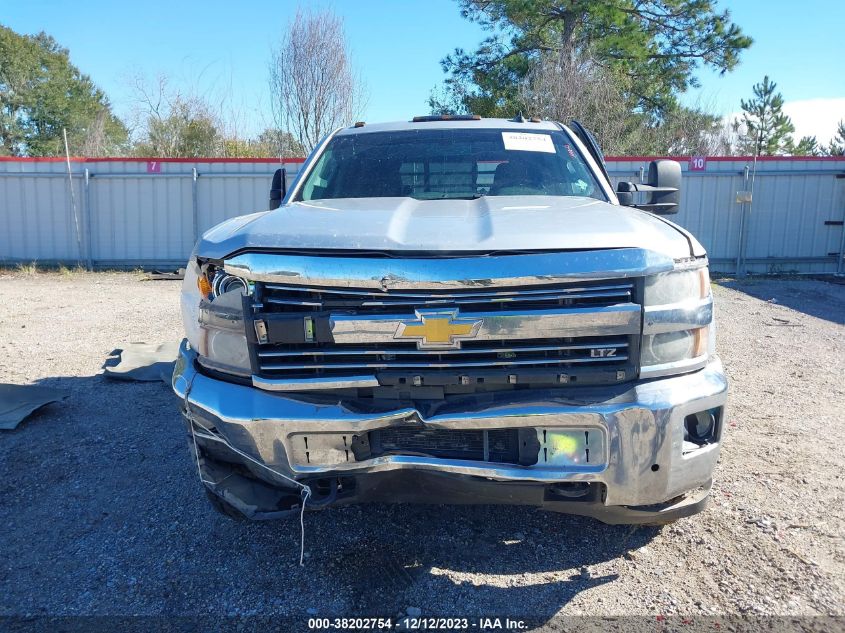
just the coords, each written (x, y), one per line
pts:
(305, 490)
(306, 494)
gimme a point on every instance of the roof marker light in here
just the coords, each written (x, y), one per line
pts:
(445, 117)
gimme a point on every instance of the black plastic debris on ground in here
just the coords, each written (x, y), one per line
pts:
(158, 275)
(19, 401)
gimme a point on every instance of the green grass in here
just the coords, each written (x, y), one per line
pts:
(70, 272)
(28, 269)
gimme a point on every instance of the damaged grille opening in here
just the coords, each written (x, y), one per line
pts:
(503, 446)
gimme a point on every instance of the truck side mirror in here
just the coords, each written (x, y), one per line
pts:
(662, 193)
(278, 188)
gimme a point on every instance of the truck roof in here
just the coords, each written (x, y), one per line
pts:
(496, 124)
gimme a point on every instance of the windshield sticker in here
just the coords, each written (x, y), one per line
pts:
(528, 142)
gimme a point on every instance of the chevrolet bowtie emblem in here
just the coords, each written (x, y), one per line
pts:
(438, 329)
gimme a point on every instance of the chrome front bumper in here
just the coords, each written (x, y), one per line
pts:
(642, 423)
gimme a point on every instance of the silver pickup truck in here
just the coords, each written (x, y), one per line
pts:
(454, 310)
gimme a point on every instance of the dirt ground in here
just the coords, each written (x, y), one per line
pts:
(102, 512)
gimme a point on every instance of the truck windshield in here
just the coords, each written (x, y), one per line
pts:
(450, 164)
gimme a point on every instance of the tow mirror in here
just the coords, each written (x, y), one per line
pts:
(662, 191)
(278, 188)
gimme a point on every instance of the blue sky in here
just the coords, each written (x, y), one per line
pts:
(222, 49)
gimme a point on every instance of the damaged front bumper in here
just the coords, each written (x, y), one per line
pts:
(615, 453)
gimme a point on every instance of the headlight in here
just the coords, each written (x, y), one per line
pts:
(212, 313)
(671, 347)
(190, 302)
(227, 351)
(677, 322)
(224, 282)
(676, 287)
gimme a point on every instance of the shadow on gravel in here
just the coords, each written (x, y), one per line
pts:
(101, 503)
(821, 299)
(471, 560)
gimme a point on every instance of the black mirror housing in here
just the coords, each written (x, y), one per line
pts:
(665, 177)
(278, 188)
(663, 189)
(625, 193)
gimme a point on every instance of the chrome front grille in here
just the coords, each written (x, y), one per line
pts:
(279, 359)
(308, 299)
(573, 333)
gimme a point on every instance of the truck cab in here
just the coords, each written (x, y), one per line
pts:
(454, 310)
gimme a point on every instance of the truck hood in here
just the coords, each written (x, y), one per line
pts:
(489, 224)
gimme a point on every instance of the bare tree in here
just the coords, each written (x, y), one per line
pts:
(96, 141)
(561, 86)
(564, 85)
(169, 122)
(313, 85)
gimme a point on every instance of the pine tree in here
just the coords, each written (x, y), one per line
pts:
(764, 129)
(657, 45)
(807, 146)
(836, 147)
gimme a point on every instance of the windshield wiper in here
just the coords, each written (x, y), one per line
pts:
(474, 196)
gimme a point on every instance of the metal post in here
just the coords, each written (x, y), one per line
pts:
(739, 240)
(195, 205)
(840, 264)
(747, 213)
(746, 210)
(89, 256)
(740, 246)
(73, 201)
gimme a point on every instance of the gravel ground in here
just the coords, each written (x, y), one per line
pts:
(103, 514)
